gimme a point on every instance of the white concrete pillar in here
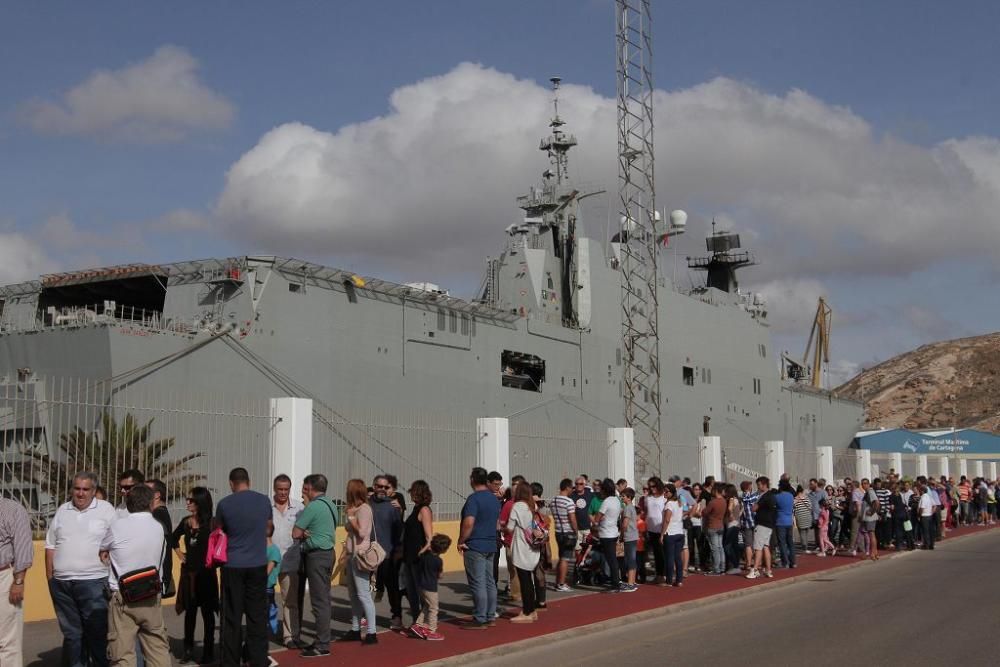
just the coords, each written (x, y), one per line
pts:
(896, 463)
(494, 445)
(824, 464)
(710, 448)
(291, 442)
(977, 468)
(943, 467)
(993, 470)
(621, 455)
(862, 464)
(774, 460)
(922, 469)
(963, 467)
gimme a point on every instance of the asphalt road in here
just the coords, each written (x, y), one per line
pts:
(922, 608)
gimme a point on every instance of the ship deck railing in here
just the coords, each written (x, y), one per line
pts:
(97, 315)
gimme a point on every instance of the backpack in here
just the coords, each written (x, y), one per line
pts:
(537, 534)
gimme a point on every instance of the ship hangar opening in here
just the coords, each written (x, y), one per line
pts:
(132, 293)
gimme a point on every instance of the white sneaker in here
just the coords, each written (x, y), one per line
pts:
(753, 574)
(563, 588)
(821, 555)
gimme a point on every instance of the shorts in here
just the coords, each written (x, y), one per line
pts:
(761, 538)
(747, 537)
(566, 544)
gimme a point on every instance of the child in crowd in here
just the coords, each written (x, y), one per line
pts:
(273, 569)
(640, 549)
(824, 529)
(428, 571)
(630, 538)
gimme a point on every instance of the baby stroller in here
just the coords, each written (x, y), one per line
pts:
(589, 564)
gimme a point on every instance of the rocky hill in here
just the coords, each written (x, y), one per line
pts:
(955, 382)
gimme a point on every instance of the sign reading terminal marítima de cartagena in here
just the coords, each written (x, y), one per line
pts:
(964, 441)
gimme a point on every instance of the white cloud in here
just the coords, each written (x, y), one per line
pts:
(791, 303)
(432, 182)
(159, 99)
(22, 258)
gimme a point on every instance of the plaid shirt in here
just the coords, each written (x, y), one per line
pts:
(747, 520)
(16, 548)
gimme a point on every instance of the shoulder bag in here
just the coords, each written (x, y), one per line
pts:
(371, 557)
(141, 584)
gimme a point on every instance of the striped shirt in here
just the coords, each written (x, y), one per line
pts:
(15, 536)
(883, 501)
(802, 509)
(747, 521)
(562, 506)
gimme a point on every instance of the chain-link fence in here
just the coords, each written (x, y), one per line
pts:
(52, 428)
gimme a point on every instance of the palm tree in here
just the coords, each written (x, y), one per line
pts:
(111, 449)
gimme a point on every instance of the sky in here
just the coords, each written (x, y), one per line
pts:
(853, 145)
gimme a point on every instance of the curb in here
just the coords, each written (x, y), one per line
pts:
(523, 646)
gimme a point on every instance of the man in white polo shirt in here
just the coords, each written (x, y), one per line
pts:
(135, 542)
(76, 575)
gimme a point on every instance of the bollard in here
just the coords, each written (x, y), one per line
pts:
(863, 464)
(774, 460)
(291, 439)
(824, 463)
(621, 455)
(710, 450)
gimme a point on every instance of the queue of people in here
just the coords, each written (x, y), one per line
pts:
(248, 557)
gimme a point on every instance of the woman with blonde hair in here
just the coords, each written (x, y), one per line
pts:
(360, 524)
(524, 554)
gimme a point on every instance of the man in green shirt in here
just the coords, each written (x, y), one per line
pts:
(316, 526)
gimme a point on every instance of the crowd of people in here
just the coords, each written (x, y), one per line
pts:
(248, 557)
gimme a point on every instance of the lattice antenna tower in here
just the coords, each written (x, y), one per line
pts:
(638, 238)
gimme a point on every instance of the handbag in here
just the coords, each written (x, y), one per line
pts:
(141, 584)
(218, 549)
(907, 525)
(369, 559)
(291, 562)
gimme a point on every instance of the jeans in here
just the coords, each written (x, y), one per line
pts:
(611, 560)
(674, 552)
(360, 594)
(629, 560)
(526, 578)
(715, 544)
(319, 567)
(653, 544)
(244, 592)
(82, 611)
(928, 531)
(388, 575)
(785, 545)
(479, 573)
(695, 543)
(731, 547)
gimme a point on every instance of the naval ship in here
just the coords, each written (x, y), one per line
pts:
(539, 342)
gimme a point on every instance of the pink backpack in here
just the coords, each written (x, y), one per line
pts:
(218, 546)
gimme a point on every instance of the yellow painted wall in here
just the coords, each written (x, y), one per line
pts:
(38, 603)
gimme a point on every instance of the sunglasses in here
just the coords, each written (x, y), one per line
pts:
(383, 486)
(127, 487)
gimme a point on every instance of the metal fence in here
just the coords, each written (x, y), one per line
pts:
(743, 463)
(52, 428)
(360, 442)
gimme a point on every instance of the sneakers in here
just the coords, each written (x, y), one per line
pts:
(271, 662)
(432, 636)
(563, 588)
(769, 574)
(418, 631)
(821, 554)
(314, 652)
(754, 573)
(628, 588)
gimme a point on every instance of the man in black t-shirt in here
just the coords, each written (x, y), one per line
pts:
(581, 497)
(766, 516)
(161, 514)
